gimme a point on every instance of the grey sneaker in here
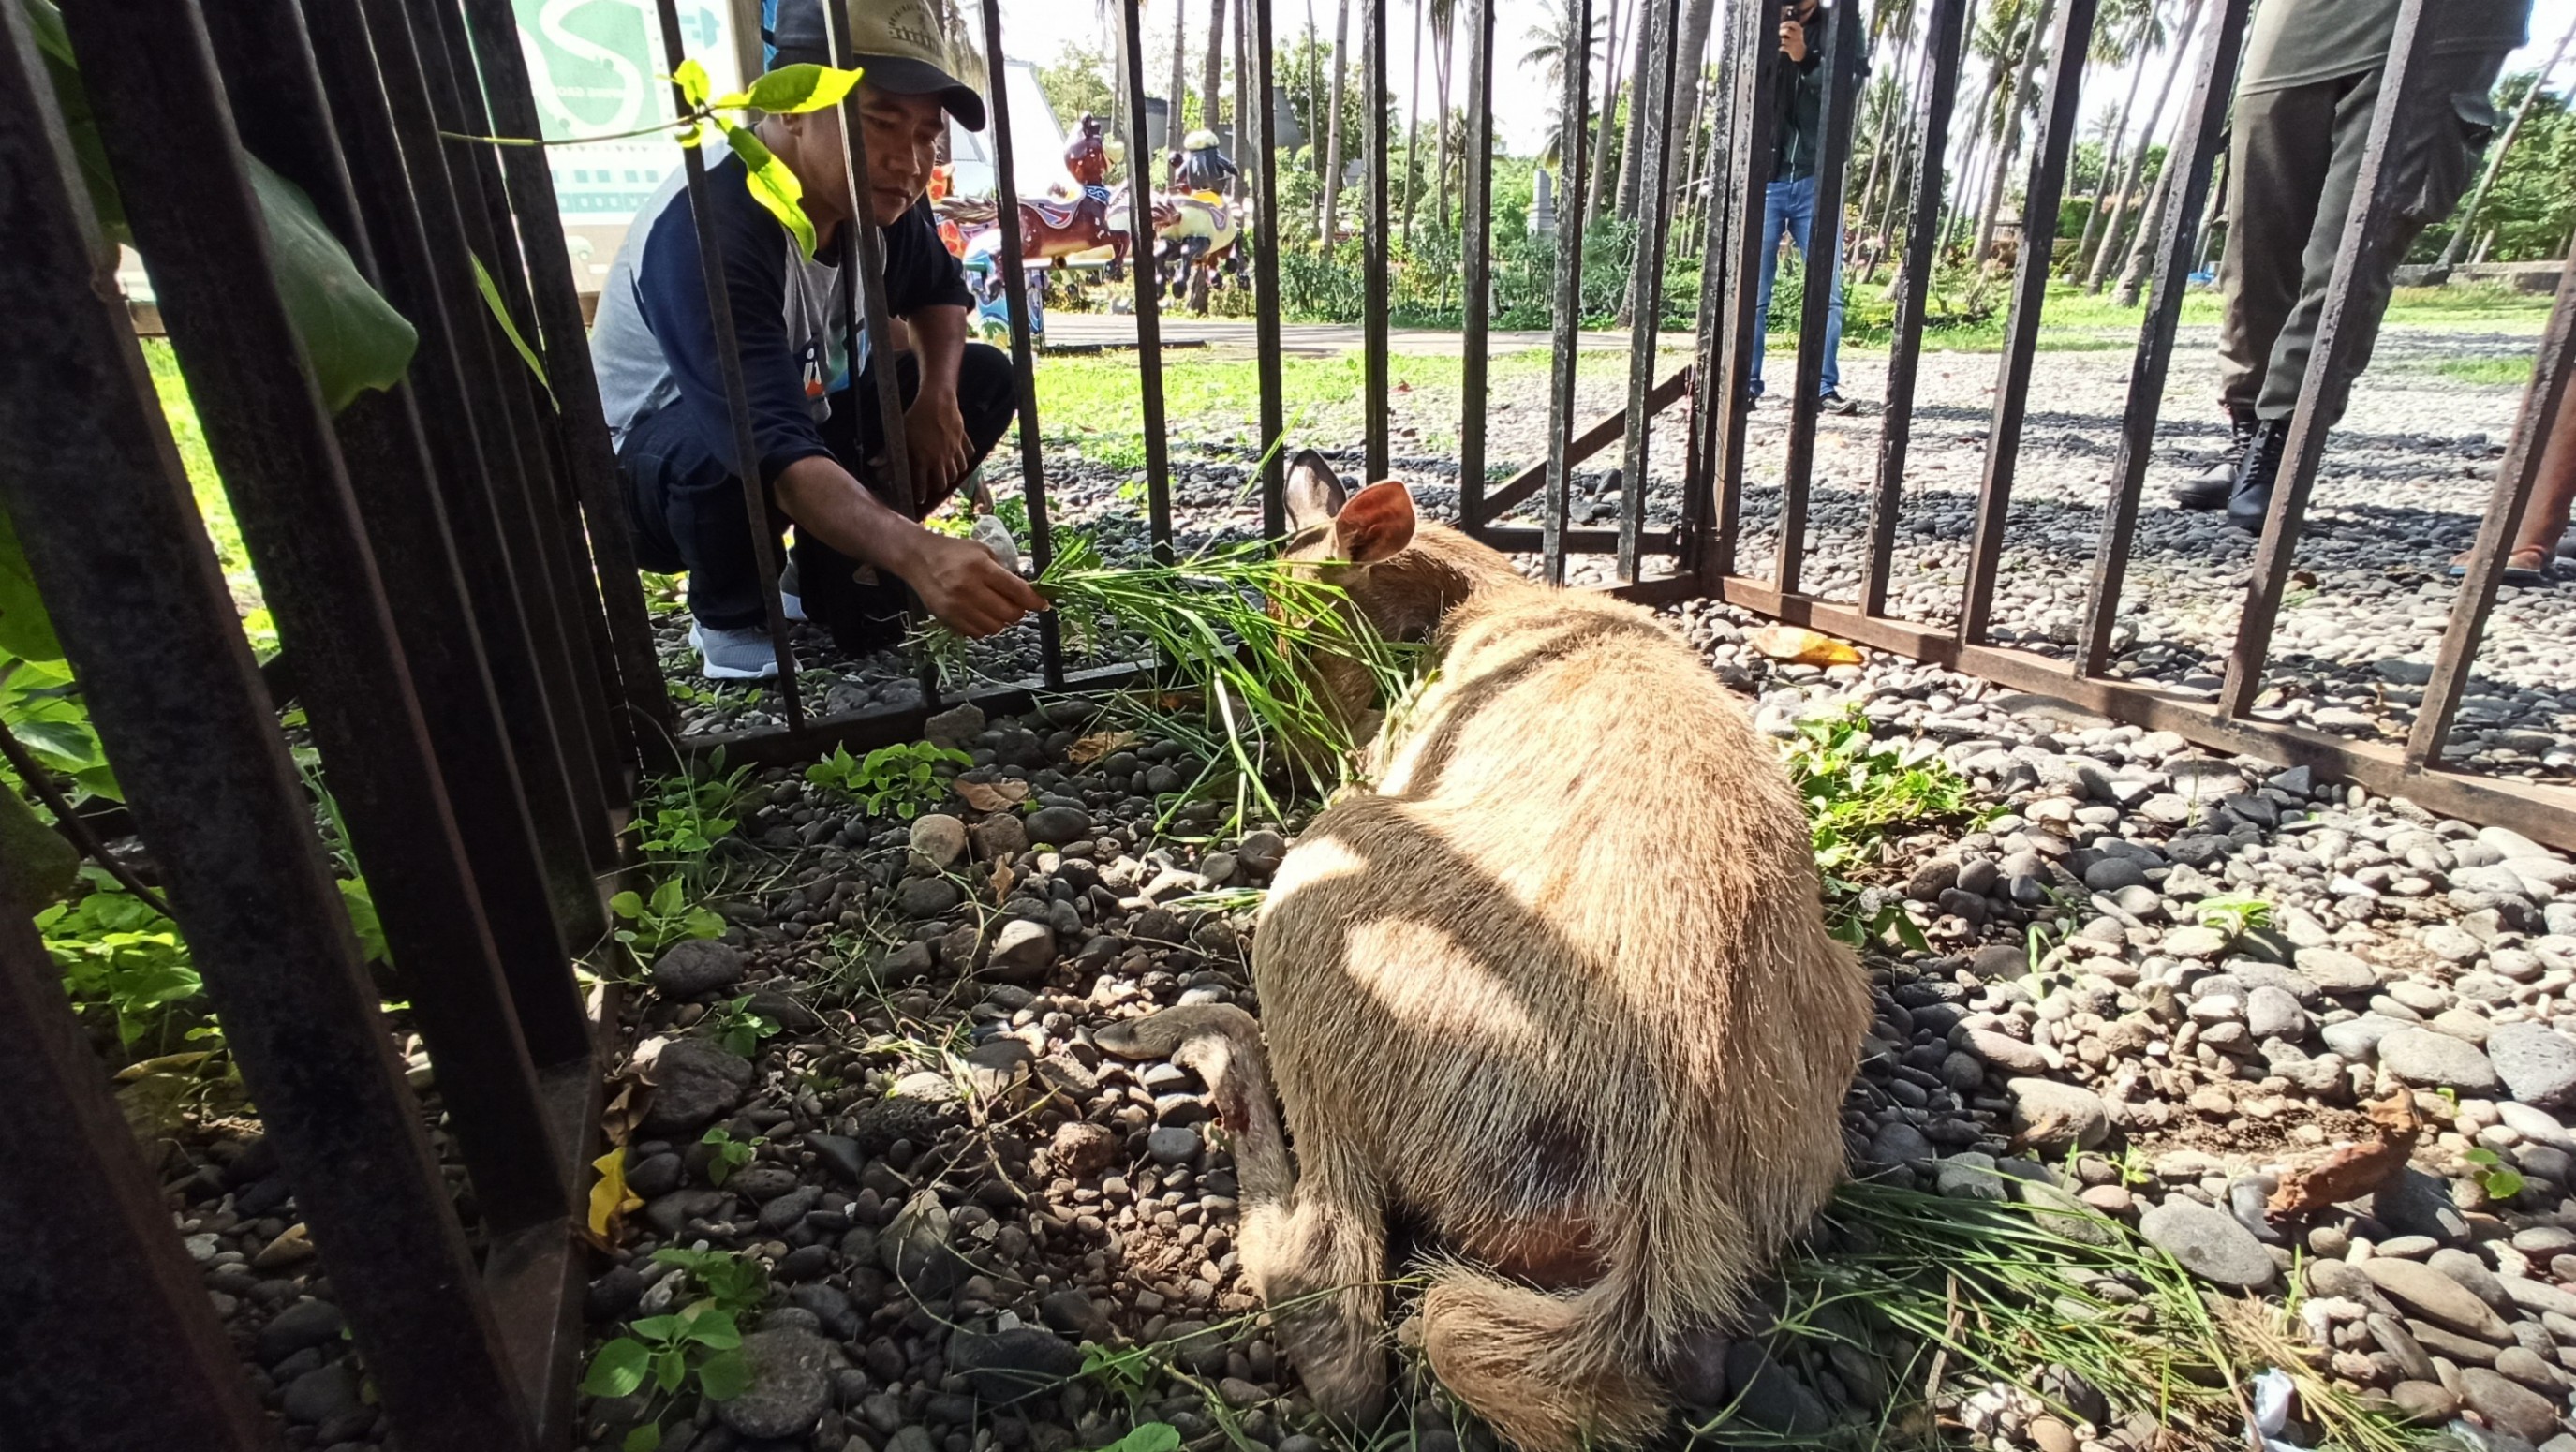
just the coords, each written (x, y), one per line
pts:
(791, 599)
(735, 655)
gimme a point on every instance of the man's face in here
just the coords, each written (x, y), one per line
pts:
(902, 135)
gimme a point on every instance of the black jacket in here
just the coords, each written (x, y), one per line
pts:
(1801, 92)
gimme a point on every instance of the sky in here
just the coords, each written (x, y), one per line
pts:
(1038, 30)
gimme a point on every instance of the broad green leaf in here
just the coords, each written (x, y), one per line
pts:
(789, 90)
(36, 864)
(353, 337)
(724, 1376)
(627, 905)
(714, 1329)
(657, 1328)
(25, 629)
(646, 1438)
(491, 291)
(695, 83)
(71, 99)
(1148, 1437)
(618, 1369)
(773, 185)
(670, 1368)
(70, 743)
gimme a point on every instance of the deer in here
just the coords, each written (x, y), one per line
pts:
(1557, 986)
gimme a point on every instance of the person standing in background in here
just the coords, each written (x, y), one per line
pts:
(1789, 201)
(2303, 111)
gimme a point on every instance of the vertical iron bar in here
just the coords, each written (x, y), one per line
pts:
(378, 95)
(1823, 271)
(2054, 144)
(1646, 274)
(457, 93)
(112, 537)
(1572, 148)
(2516, 477)
(1024, 378)
(1944, 54)
(2365, 239)
(187, 192)
(96, 1283)
(1263, 125)
(1476, 217)
(1149, 300)
(279, 103)
(1698, 449)
(864, 253)
(1756, 122)
(583, 422)
(728, 361)
(2204, 130)
(1374, 362)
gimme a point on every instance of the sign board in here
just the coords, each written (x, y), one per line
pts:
(596, 68)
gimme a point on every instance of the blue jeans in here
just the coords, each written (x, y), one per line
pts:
(1790, 206)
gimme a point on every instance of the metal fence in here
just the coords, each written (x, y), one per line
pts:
(449, 567)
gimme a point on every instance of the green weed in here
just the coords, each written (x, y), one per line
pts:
(741, 1031)
(112, 948)
(665, 916)
(701, 1345)
(901, 780)
(728, 1281)
(1855, 789)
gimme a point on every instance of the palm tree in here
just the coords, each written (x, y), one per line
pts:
(1413, 127)
(2034, 44)
(1212, 71)
(1333, 136)
(1176, 125)
(2138, 159)
(1552, 42)
(1444, 40)
(1690, 46)
(2128, 30)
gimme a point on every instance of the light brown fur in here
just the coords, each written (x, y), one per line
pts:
(1561, 984)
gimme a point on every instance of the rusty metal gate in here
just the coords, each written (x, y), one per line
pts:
(450, 568)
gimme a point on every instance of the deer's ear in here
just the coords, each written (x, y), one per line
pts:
(1376, 523)
(1315, 492)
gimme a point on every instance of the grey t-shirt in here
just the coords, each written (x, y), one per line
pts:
(2298, 42)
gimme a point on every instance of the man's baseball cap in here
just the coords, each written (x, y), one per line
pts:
(898, 43)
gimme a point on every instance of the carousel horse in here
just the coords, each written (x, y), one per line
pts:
(1058, 229)
(1197, 234)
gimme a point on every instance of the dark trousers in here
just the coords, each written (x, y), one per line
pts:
(687, 506)
(2294, 165)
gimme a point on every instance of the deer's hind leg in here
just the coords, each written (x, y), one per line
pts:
(1321, 1268)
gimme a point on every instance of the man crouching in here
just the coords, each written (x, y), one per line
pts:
(653, 344)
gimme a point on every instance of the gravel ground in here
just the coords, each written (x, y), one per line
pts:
(952, 1188)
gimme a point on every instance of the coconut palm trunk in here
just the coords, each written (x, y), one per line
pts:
(1697, 15)
(2119, 144)
(2138, 159)
(1413, 127)
(2034, 45)
(1176, 123)
(1444, 42)
(1212, 69)
(2142, 248)
(1333, 132)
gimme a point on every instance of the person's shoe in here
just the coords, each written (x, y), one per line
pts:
(735, 655)
(2209, 488)
(1834, 402)
(2249, 500)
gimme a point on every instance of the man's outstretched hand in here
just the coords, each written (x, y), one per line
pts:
(966, 587)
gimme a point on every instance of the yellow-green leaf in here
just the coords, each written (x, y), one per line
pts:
(610, 1198)
(695, 84)
(789, 90)
(773, 185)
(26, 631)
(491, 290)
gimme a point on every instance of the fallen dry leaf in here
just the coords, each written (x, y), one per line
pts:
(610, 1200)
(2355, 1169)
(1801, 646)
(1002, 880)
(992, 796)
(1099, 744)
